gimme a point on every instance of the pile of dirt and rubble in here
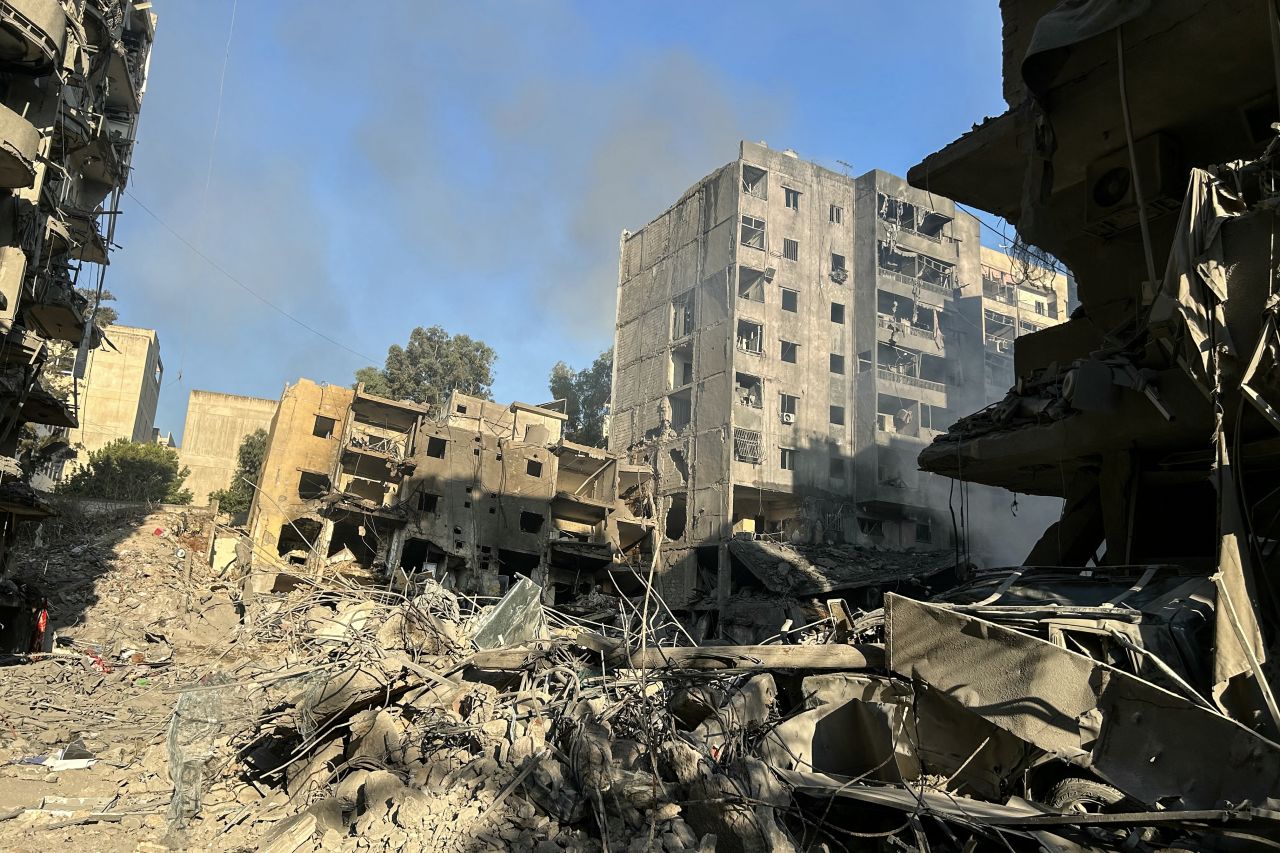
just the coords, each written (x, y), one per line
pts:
(185, 708)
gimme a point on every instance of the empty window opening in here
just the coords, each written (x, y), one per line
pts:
(838, 272)
(790, 300)
(906, 316)
(312, 485)
(836, 215)
(530, 522)
(793, 198)
(681, 409)
(924, 532)
(428, 502)
(786, 458)
(864, 361)
(836, 416)
(533, 468)
(752, 232)
(466, 504)
(933, 368)
(682, 315)
(871, 526)
(476, 451)
(746, 445)
(323, 427)
(748, 390)
(750, 337)
(837, 363)
(681, 367)
(790, 249)
(836, 467)
(462, 409)
(493, 510)
(789, 351)
(897, 468)
(676, 518)
(435, 447)
(787, 406)
(363, 538)
(297, 539)
(837, 312)
(755, 181)
(750, 284)
(677, 459)
(911, 217)
(419, 555)
(837, 262)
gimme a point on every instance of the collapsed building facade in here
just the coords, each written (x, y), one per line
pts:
(74, 73)
(470, 496)
(788, 339)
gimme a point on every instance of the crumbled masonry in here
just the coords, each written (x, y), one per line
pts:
(332, 714)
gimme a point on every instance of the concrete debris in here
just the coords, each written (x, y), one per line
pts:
(334, 715)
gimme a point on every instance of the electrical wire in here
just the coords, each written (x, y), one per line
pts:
(246, 288)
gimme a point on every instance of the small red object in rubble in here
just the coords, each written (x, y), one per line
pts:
(159, 531)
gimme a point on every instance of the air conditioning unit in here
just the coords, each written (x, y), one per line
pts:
(769, 273)
(788, 418)
(1111, 205)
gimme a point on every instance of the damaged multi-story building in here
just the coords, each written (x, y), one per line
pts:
(789, 339)
(471, 495)
(74, 73)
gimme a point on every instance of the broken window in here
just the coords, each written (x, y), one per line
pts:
(787, 406)
(748, 390)
(750, 284)
(530, 522)
(837, 416)
(323, 427)
(786, 459)
(897, 415)
(681, 367)
(915, 268)
(681, 409)
(837, 468)
(837, 262)
(676, 517)
(682, 315)
(864, 361)
(790, 300)
(789, 351)
(746, 445)
(898, 360)
(312, 485)
(837, 312)
(428, 502)
(924, 532)
(793, 198)
(752, 232)
(533, 468)
(462, 409)
(837, 363)
(790, 249)
(750, 337)
(755, 181)
(871, 526)
(435, 446)
(836, 215)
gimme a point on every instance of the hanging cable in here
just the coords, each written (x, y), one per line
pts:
(1133, 167)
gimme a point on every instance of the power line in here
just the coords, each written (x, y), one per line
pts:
(246, 288)
(1048, 263)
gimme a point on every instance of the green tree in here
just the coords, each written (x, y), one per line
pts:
(60, 359)
(430, 366)
(125, 471)
(586, 395)
(237, 498)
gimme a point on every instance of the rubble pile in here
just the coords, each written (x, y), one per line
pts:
(330, 713)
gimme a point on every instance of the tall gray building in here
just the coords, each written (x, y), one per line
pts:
(788, 339)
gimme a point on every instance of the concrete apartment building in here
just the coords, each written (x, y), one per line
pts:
(788, 340)
(471, 495)
(119, 393)
(215, 426)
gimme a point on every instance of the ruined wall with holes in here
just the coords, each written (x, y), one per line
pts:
(293, 449)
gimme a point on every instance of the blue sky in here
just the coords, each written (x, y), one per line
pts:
(472, 164)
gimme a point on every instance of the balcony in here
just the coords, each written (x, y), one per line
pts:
(56, 310)
(910, 381)
(914, 281)
(33, 34)
(933, 336)
(373, 444)
(19, 148)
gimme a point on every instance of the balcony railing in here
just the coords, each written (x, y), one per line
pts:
(916, 282)
(913, 381)
(887, 322)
